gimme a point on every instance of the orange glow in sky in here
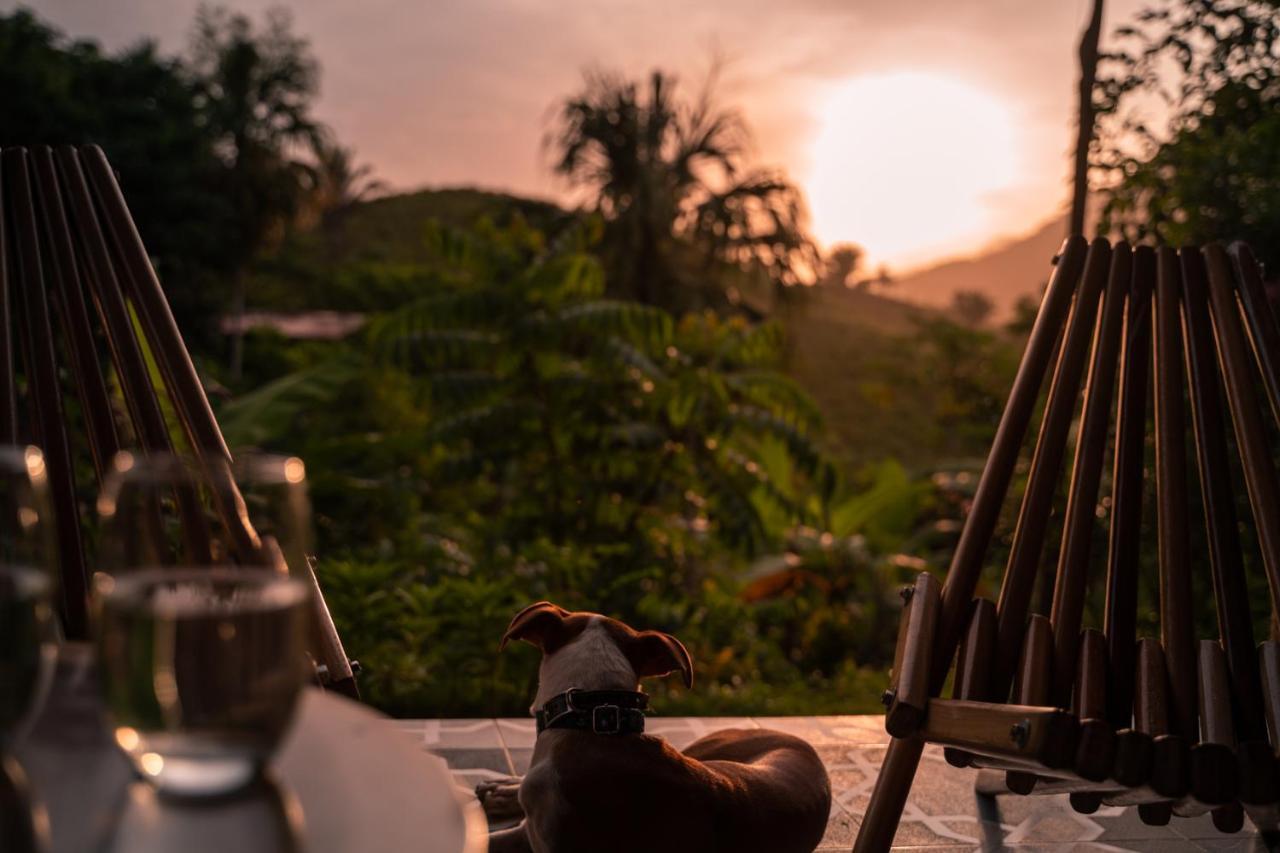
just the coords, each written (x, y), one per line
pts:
(917, 130)
(906, 164)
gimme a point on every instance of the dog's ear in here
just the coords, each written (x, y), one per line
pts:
(653, 653)
(538, 624)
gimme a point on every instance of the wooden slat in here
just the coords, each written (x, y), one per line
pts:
(967, 561)
(189, 399)
(1125, 538)
(1039, 736)
(1230, 590)
(1176, 614)
(46, 395)
(1070, 585)
(1046, 463)
(8, 376)
(911, 681)
(1095, 755)
(974, 664)
(1214, 771)
(1269, 663)
(1259, 469)
(1228, 818)
(1151, 717)
(95, 405)
(889, 796)
(130, 364)
(1032, 683)
(138, 278)
(1264, 331)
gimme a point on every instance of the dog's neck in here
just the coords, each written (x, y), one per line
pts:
(591, 661)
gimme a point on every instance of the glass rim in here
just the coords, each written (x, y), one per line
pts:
(26, 458)
(167, 467)
(126, 591)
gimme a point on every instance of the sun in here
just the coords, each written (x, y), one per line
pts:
(906, 165)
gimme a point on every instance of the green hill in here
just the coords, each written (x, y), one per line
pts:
(844, 347)
(860, 355)
(391, 228)
(367, 259)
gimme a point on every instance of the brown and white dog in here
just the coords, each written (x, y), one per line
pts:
(739, 790)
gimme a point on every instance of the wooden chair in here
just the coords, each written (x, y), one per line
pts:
(1176, 725)
(79, 298)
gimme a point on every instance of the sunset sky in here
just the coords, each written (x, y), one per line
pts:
(918, 129)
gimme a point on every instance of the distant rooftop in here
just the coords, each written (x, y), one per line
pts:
(306, 325)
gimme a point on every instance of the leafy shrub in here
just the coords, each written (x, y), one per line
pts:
(510, 435)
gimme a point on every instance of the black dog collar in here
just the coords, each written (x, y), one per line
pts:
(604, 712)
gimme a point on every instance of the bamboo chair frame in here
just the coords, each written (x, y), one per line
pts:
(74, 272)
(1176, 725)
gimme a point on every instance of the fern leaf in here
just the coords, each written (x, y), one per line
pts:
(254, 419)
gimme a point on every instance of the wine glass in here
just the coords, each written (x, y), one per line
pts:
(28, 631)
(202, 632)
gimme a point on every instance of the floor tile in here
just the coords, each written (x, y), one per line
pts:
(682, 731)
(494, 760)
(455, 734)
(818, 730)
(842, 828)
(520, 760)
(517, 733)
(943, 812)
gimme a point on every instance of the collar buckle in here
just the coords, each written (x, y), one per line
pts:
(602, 712)
(606, 720)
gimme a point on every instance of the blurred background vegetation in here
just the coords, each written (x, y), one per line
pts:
(668, 405)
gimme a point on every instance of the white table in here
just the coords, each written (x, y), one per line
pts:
(345, 779)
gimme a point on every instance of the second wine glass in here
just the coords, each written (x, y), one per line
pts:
(202, 632)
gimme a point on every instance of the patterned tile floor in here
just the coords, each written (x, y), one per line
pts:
(943, 813)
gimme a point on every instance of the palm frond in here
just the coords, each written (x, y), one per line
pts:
(729, 502)
(268, 412)
(628, 320)
(630, 356)
(769, 389)
(483, 422)
(803, 449)
(462, 386)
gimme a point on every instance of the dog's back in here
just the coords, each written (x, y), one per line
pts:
(740, 790)
(591, 787)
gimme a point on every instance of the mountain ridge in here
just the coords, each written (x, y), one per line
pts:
(1006, 270)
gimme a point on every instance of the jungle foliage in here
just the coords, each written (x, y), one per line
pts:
(515, 433)
(1191, 143)
(573, 405)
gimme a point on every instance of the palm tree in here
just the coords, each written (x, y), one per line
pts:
(253, 93)
(339, 183)
(1088, 53)
(840, 265)
(553, 411)
(669, 177)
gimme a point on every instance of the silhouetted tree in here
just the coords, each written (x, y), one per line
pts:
(1088, 54)
(254, 90)
(840, 265)
(971, 307)
(1209, 170)
(881, 279)
(140, 108)
(670, 179)
(1025, 312)
(339, 183)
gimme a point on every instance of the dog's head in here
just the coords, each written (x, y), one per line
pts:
(594, 652)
